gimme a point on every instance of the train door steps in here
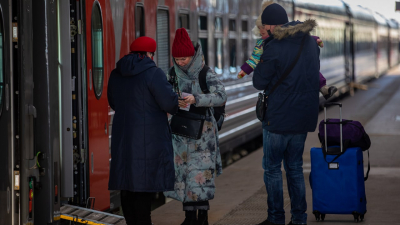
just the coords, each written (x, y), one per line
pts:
(82, 215)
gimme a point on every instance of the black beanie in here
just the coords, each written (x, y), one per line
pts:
(274, 14)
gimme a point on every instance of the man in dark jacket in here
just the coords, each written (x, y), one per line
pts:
(141, 144)
(292, 109)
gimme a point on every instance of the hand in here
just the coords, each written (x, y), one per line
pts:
(182, 104)
(190, 99)
(241, 74)
(320, 43)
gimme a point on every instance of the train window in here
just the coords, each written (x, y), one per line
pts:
(202, 22)
(97, 50)
(1, 64)
(163, 59)
(333, 41)
(184, 21)
(204, 47)
(244, 26)
(218, 55)
(232, 25)
(245, 48)
(218, 24)
(232, 55)
(139, 21)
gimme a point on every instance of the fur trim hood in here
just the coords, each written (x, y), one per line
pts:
(292, 28)
(264, 5)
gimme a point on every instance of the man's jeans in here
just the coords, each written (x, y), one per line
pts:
(289, 148)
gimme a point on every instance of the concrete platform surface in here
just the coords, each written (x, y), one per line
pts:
(241, 197)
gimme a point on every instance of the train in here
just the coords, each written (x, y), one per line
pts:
(56, 57)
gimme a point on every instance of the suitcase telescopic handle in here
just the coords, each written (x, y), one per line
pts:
(341, 128)
(333, 103)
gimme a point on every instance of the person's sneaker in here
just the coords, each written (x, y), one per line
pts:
(332, 90)
(296, 223)
(266, 222)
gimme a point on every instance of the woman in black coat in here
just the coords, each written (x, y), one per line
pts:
(141, 146)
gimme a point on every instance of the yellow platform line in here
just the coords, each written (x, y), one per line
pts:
(70, 218)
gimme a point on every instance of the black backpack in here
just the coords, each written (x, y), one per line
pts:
(219, 111)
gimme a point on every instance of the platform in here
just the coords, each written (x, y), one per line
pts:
(241, 197)
(80, 215)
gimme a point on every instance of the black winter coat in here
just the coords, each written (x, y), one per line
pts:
(293, 106)
(141, 145)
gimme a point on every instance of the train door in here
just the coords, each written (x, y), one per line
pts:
(6, 119)
(74, 162)
(349, 53)
(100, 57)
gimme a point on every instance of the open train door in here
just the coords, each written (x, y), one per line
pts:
(100, 59)
(6, 118)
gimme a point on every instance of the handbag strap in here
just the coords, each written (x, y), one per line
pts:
(203, 82)
(203, 79)
(369, 167)
(287, 72)
(172, 80)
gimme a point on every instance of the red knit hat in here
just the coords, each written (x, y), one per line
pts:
(182, 46)
(143, 44)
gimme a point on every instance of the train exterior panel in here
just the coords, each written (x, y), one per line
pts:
(394, 43)
(7, 207)
(100, 56)
(382, 44)
(364, 43)
(332, 29)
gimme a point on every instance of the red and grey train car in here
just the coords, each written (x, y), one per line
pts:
(56, 58)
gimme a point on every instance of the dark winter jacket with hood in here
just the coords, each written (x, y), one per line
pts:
(293, 106)
(141, 145)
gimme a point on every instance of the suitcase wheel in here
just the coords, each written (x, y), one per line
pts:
(358, 217)
(319, 216)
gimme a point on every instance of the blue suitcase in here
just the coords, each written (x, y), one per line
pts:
(337, 180)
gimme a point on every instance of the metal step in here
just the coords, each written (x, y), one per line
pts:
(89, 216)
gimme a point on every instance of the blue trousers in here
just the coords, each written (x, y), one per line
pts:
(289, 148)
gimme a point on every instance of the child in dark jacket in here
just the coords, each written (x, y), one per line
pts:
(251, 63)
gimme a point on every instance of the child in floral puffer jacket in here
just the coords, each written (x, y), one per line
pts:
(251, 63)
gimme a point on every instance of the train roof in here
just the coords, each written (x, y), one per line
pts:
(393, 23)
(380, 19)
(361, 13)
(328, 6)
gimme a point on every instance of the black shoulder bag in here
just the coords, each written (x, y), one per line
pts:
(187, 124)
(261, 106)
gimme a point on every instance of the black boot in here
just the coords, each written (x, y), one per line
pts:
(331, 90)
(128, 207)
(203, 217)
(143, 217)
(143, 208)
(191, 218)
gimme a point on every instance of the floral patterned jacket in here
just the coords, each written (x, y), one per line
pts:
(197, 162)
